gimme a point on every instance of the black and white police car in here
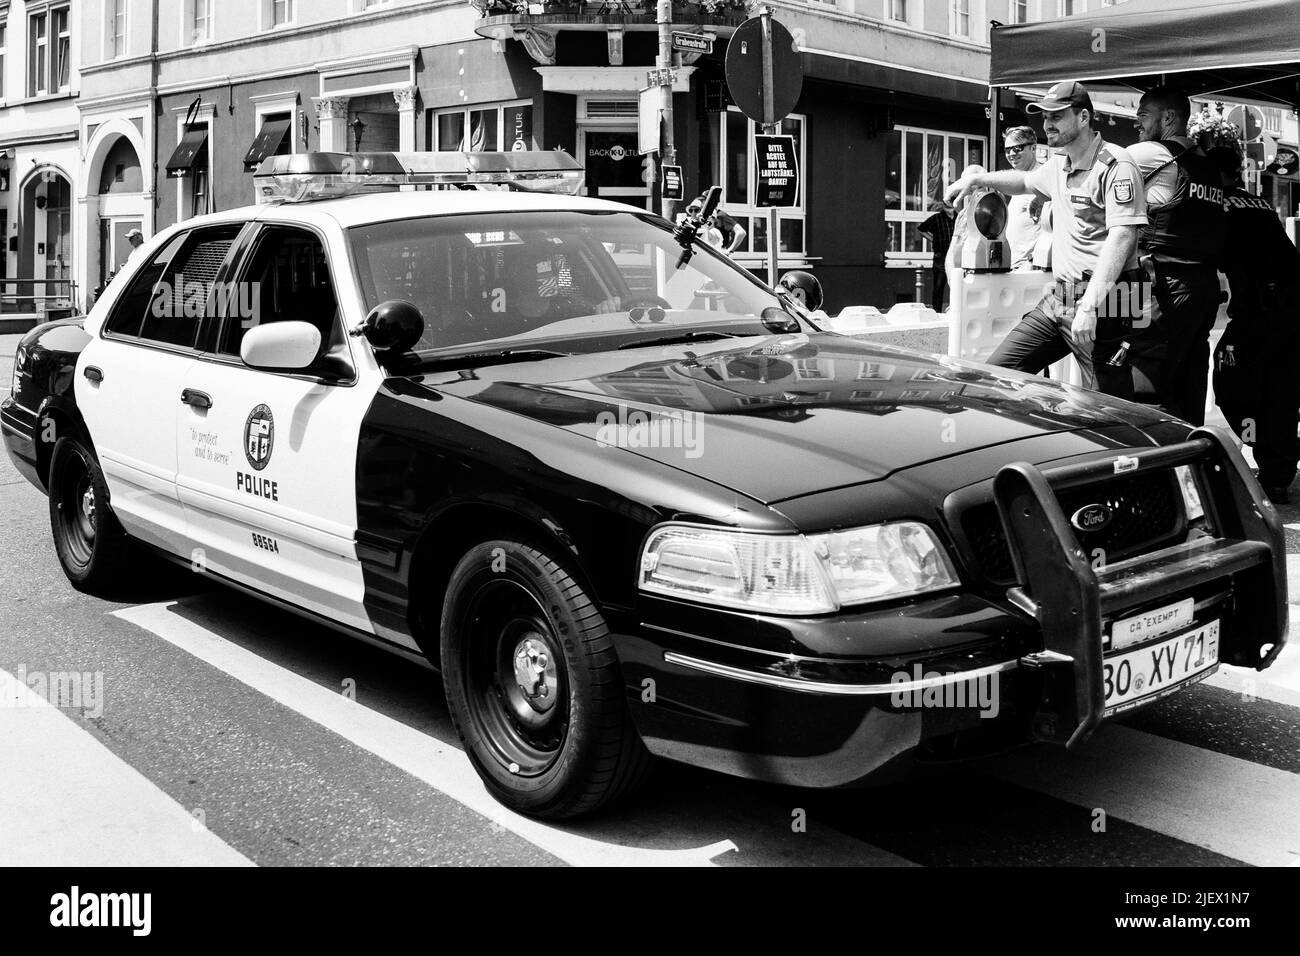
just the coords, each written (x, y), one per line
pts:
(625, 499)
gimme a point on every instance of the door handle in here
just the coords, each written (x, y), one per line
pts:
(93, 373)
(196, 399)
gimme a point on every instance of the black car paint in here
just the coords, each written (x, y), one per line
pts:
(45, 360)
(518, 448)
(513, 450)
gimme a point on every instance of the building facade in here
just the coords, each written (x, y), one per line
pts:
(180, 99)
(40, 160)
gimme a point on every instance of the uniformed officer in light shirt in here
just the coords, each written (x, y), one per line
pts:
(1098, 207)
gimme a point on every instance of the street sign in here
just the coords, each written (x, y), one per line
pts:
(673, 188)
(745, 70)
(693, 42)
(647, 126)
(778, 171)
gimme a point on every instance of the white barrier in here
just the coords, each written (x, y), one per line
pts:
(988, 305)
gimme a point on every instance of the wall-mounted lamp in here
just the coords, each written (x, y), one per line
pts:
(358, 130)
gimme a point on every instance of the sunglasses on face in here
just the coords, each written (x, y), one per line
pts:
(1016, 150)
(695, 210)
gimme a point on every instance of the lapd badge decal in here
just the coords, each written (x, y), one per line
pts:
(1124, 190)
(259, 437)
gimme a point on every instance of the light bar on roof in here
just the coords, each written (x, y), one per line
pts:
(299, 177)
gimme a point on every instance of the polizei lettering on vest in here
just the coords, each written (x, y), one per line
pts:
(1206, 193)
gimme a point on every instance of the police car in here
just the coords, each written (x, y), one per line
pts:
(625, 498)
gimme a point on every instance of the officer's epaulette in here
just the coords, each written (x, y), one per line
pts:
(1104, 155)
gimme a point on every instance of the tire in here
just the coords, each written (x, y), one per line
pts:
(533, 684)
(89, 540)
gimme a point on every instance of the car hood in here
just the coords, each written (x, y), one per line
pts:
(776, 417)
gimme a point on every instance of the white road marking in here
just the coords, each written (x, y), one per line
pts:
(67, 800)
(1231, 806)
(692, 831)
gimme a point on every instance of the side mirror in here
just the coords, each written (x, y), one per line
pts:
(280, 345)
(392, 326)
(779, 320)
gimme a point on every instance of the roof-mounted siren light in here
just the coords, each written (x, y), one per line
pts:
(301, 177)
(986, 248)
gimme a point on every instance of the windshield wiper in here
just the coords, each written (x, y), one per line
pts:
(698, 335)
(501, 356)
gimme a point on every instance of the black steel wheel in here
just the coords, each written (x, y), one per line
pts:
(533, 684)
(87, 536)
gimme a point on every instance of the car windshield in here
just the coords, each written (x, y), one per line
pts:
(571, 281)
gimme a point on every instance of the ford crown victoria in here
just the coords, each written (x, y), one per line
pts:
(628, 501)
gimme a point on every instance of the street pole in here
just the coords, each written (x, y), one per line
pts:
(770, 128)
(664, 62)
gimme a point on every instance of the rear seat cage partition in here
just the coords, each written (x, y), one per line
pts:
(1071, 601)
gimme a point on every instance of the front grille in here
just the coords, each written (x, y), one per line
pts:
(1147, 514)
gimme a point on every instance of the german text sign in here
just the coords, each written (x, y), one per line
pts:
(778, 171)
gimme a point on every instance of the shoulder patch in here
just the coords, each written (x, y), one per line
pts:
(1123, 189)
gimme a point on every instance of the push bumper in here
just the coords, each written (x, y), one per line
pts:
(992, 676)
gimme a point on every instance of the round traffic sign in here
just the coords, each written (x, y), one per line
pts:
(745, 70)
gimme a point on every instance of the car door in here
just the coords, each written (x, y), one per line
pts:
(267, 469)
(131, 378)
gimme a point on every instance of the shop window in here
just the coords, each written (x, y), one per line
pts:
(919, 165)
(737, 178)
(507, 126)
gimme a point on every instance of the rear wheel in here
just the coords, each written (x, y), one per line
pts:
(87, 536)
(533, 684)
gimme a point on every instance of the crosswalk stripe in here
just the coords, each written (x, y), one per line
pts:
(1176, 789)
(687, 834)
(1280, 682)
(67, 800)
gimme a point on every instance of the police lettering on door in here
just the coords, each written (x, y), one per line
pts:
(259, 442)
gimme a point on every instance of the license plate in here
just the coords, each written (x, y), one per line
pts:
(1154, 670)
(1150, 624)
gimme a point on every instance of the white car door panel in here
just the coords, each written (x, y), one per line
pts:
(267, 474)
(143, 354)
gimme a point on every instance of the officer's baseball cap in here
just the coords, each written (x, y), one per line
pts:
(1063, 96)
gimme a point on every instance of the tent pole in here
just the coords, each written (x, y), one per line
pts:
(993, 128)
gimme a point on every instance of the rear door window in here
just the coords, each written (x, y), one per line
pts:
(168, 299)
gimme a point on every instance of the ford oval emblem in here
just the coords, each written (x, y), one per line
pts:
(1092, 517)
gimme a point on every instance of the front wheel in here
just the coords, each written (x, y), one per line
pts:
(87, 536)
(533, 684)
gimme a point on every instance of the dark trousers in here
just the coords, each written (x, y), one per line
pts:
(939, 285)
(1259, 395)
(1042, 337)
(1187, 303)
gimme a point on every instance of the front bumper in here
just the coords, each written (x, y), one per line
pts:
(796, 701)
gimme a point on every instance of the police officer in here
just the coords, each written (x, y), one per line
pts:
(1255, 380)
(1184, 240)
(1098, 206)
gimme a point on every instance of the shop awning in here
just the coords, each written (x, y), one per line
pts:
(267, 143)
(192, 147)
(1242, 49)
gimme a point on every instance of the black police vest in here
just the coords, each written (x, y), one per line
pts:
(1192, 227)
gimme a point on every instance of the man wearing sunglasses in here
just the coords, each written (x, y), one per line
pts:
(1024, 211)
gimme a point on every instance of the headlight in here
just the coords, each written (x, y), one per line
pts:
(794, 574)
(1191, 497)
